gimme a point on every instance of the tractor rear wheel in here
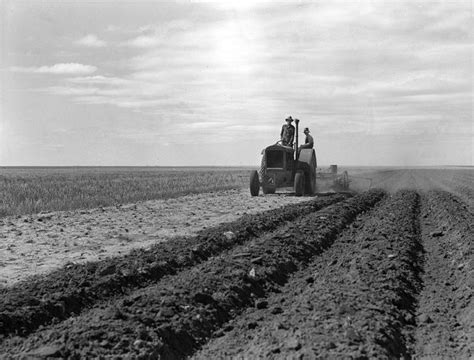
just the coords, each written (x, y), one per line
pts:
(307, 163)
(254, 183)
(310, 178)
(299, 183)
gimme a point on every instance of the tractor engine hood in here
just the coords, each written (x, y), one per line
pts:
(280, 148)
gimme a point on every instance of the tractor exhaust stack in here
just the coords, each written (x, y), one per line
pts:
(296, 138)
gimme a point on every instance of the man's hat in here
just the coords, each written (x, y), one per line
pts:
(306, 129)
(289, 118)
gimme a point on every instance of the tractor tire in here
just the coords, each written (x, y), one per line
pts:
(264, 179)
(308, 164)
(310, 178)
(254, 183)
(299, 183)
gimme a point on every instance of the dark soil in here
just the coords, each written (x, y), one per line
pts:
(446, 311)
(40, 300)
(356, 300)
(373, 276)
(396, 284)
(175, 316)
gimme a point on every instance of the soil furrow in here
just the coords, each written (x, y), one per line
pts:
(172, 318)
(67, 291)
(445, 314)
(357, 300)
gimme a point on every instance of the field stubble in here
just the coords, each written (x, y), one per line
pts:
(34, 190)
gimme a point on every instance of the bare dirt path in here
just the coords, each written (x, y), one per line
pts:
(446, 307)
(35, 244)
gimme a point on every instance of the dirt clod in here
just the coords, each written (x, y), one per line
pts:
(261, 304)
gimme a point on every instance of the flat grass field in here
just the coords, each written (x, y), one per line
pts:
(29, 190)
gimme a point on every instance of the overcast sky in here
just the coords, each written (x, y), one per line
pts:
(210, 83)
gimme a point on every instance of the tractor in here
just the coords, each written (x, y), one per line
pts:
(285, 166)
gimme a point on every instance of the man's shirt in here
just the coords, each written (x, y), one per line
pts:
(308, 143)
(287, 134)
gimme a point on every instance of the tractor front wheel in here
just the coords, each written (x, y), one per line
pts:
(254, 183)
(299, 183)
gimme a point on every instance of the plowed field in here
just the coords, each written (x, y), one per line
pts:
(382, 273)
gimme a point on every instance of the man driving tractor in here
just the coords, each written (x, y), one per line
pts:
(287, 134)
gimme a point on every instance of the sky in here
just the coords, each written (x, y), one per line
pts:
(153, 83)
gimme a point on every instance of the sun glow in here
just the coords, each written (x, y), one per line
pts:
(235, 46)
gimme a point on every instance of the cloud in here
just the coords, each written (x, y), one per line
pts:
(155, 35)
(91, 41)
(99, 80)
(363, 69)
(62, 90)
(62, 68)
(143, 41)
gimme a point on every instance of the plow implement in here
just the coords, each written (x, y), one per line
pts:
(332, 180)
